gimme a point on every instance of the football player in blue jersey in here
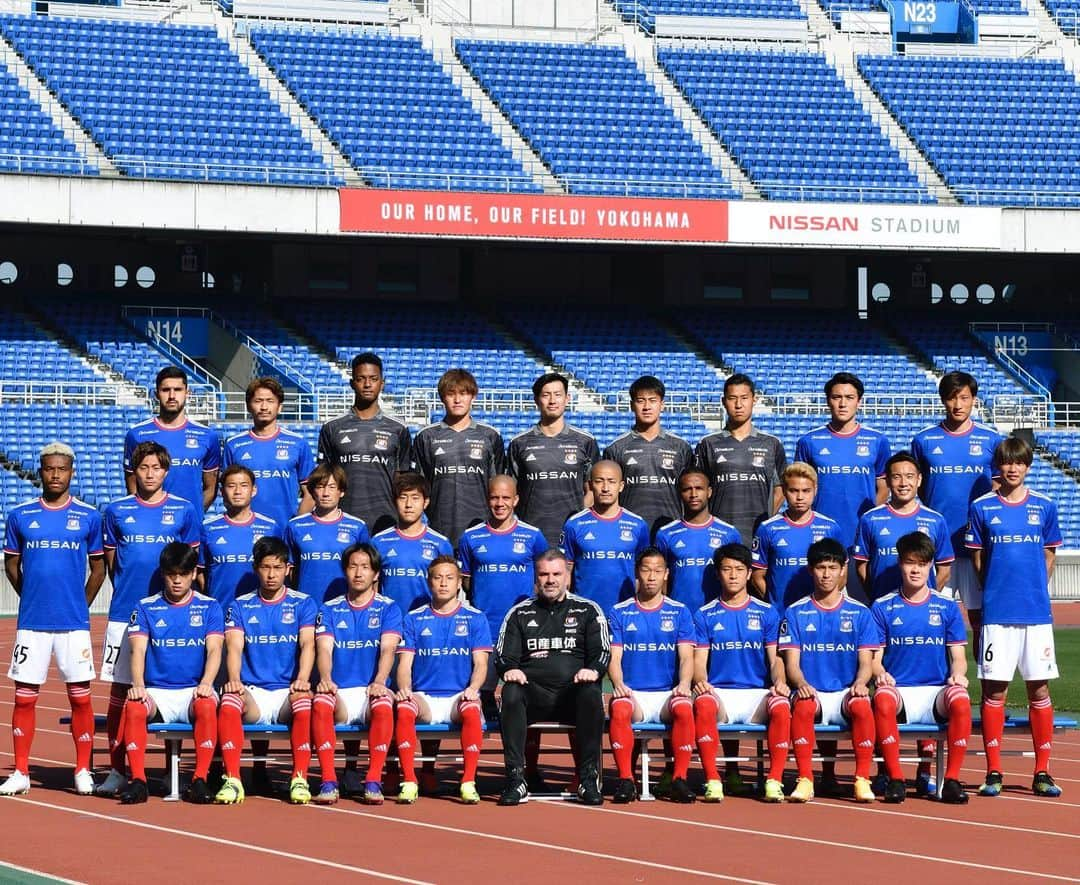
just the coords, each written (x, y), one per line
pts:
(921, 674)
(48, 545)
(651, 670)
(356, 636)
(442, 663)
(270, 655)
(1013, 534)
(175, 637)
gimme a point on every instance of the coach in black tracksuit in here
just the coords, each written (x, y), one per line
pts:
(552, 654)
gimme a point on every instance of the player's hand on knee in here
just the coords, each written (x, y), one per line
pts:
(860, 690)
(959, 679)
(702, 687)
(806, 691)
(682, 690)
(204, 690)
(470, 694)
(517, 676)
(375, 690)
(300, 686)
(586, 675)
(885, 678)
(233, 686)
(780, 690)
(403, 695)
(326, 686)
(136, 693)
(622, 690)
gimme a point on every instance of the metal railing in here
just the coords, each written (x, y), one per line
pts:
(1067, 415)
(1011, 327)
(228, 173)
(31, 164)
(1021, 373)
(1026, 410)
(72, 393)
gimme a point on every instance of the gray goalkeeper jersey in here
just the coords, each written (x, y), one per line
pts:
(651, 471)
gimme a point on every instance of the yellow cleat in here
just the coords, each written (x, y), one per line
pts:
(409, 793)
(231, 792)
(864, 792)
(714, 792)
(469, 795)
(299, 791)
(803, 792)
(774, 791)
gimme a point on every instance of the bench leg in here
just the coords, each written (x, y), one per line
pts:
(172, 763)
(939, 763)
(646, 791)
(761, 764)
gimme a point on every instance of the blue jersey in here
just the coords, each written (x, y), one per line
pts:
(780, 546)
(848, 466)
(736, 639)
(602, 551)
(649, 639)
(176, 638)
(689, 551)
(138, 532)
(225, 553)
(829, 640)
(193, 449)
(357, 632)
(280, 463)
(316, 545)
(53, 544)
(271, 636)
(443, 646)
(500, 567)
(875, 544)
(916, 636)
(405, 563)
(956, 469)
(1012, 538)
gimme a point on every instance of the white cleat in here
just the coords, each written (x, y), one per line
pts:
(16, 785)
(84, 782)
(112, 785)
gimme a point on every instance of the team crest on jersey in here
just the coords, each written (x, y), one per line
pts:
(476, 451)
(195, 620)
(759, 461)
(1033, 517)
(934, 620)
(862, 450)
(461, 629)
(715, 542)
(73, 523)
(192, 442)
(168, 519)
(570, 623)
(846, 625)
(382, 441)
(343, 536)
(925, 529)
(288, 616)
(975, 449)
(519, 546)
(428, 553)
(570, 458)
(373, 622)
(257, 535)
(626, 535)
(667, 462)
(282, 453)
(667, 625)
(753, 622)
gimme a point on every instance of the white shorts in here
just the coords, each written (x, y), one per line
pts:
(34, 650)
(831, 704)
(1008, 646)
(116, 657)
(742, 706)
(652, 704)
(920, 704)
(270, 702)
(965, 584)
(356, 703)
(444, 710)
(173, 704)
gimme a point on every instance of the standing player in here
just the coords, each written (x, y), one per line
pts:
(136, 530)
(551, 461)
(442, 663)
(780, 575)
(227, 539)
(1013, 535)
(175, 638)
(651, 458)
(827, 642)
(280, 459)
(922, 675)
(457, 456)
(370, 446)
(956, 457)
(356, 636)
(194, 448)
(601, 543)
(408, 548)
(48, 544)
(744, 465)
(270, 653)
(651, 670)
(738, 676)
(688, 544)
(316, 539)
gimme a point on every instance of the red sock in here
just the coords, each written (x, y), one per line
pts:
(802, 734)
(621, 735)
(380, 733)
(862, 734)
(406, 740)
(706, 709)
(779, 735)
(1041, 714)
(231, 732)
(205, 734)
(114, 726)
(135, 735)
(23, 724)
(472, 736)
(958, 709)
(993, 729)
(886, 703)
(82, 723)
(300, 736)
(324, 734)
(682, 735)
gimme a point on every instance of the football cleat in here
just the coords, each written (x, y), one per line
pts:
(714, 791)
(681, 792)
(231, 792)
(468, 793)
(112, 785)
(625, 791)
(16, 785)
(199, 793)
(803, 792)
(327, 795)
(895, 791)
(409, 793)
(863, 792)
(84, 782)
(299, 791)
(879, 783)
(516, 791)
(774, 791)
(1043, 785)
(135, 794)
(925, 785)
(373, 794)
(952, 792)
(993, 785)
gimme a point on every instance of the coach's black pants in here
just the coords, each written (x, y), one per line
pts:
(580, 705)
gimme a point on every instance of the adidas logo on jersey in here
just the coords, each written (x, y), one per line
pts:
(221, 540)
(440, 451)
(720, 459)
(161, 623)
(937, 451)
(885, 531)
(425, 632)
(897, 621)
(630, 461)
(35, 525)
(391, 552)
(253, 620)
(679, 545)
(589, 536)
(481, 549)
(246, 456)
(810, 628)
(530, 457)
(825, 451)
(719, 626)
(341, 625)
(631, 627)
(345, 439)
(532, 624)
(782, 542)
(129, 520)
(306, 538)
(995, 521)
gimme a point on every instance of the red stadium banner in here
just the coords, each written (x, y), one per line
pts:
(523, 216)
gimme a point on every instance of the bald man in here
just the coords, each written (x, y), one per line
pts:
(603, 541)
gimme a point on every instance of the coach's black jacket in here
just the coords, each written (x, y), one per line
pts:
(551, 642)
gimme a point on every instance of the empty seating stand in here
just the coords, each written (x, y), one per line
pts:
(29, 141)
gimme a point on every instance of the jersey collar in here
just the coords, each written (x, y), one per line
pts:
(54, 508)
(431, 608)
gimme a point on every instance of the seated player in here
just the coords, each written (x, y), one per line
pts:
(827, 641)
(442, 664)
(738, 677)
(652, 664)
(175, 638)
(921, 675)
(356, 636)
(270, 653)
